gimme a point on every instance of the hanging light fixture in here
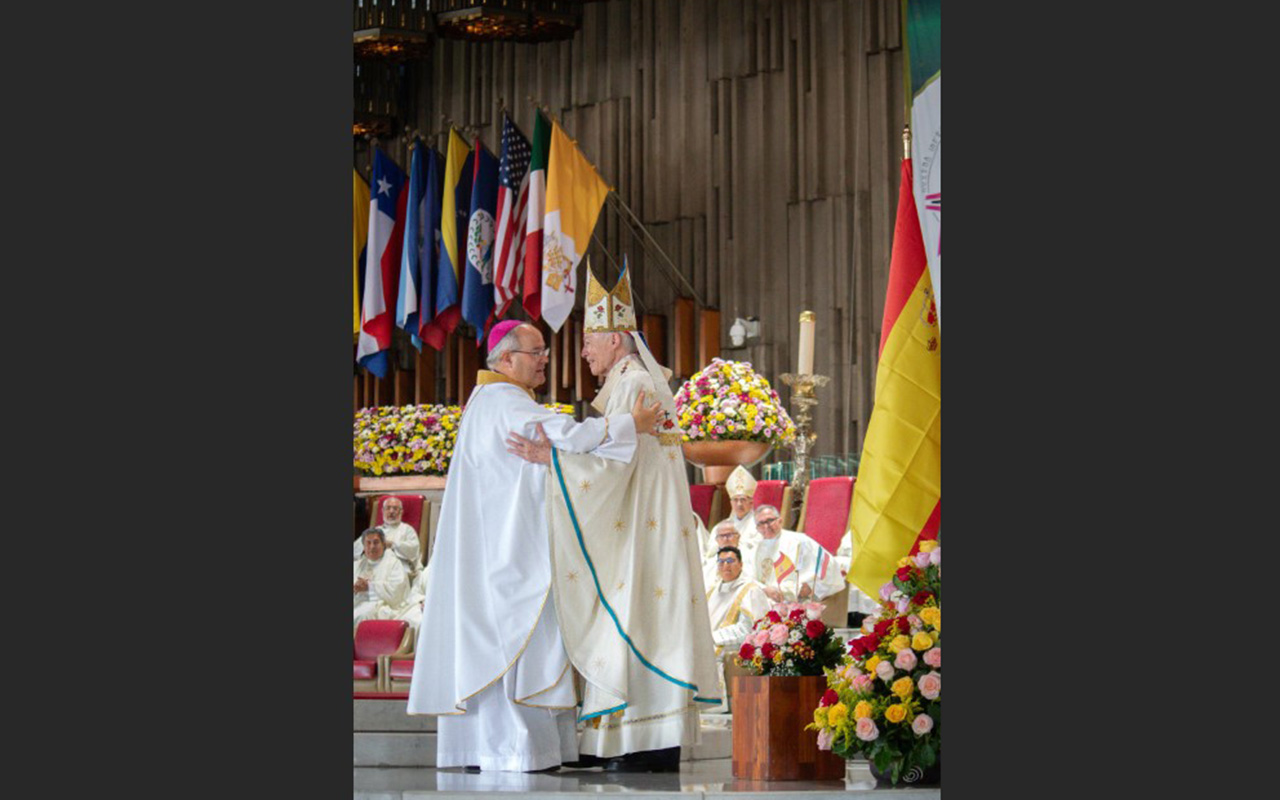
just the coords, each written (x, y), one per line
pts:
(508, 20)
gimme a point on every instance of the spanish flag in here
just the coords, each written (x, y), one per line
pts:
(575, 194)
(360, 220)
(898, 494)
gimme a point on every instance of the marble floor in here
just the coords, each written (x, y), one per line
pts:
(709, 780)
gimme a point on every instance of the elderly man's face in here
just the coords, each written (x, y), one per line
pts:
(741, 505)
(728, 567)
(392, 510)
(527, 365)
(768, 523)
(373, 547)
(726, 536)
(600, 353)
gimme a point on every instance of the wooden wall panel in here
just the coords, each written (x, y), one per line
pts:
(759, 141)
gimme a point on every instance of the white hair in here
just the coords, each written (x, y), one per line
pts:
(763, 506)
(729, 526)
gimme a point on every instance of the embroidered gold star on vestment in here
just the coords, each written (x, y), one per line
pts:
(585, 485)
(621, 584)
(659, 593)
(598, 663)
(652, 523)
(619, 525)
(671, 455)
(684, 532)
(573, 575)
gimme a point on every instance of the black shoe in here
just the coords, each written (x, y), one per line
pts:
(544, 770)
(665, 760)
(585, 761)
(472, 769)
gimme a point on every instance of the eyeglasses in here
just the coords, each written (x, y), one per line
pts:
(543, 352)
(764, 523)
(726, 561)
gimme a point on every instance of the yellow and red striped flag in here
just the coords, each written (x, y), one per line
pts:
(898, 494)
(360, 224)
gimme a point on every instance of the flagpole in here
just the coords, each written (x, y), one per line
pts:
(906, 141)
(655, 246)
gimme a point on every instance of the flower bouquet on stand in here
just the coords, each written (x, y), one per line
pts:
(885, 701)
(729, 401)
(787, 654)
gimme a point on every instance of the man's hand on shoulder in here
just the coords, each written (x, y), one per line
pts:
(645, 417)
(537, 451)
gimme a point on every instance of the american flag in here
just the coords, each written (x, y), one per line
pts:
(513, 195)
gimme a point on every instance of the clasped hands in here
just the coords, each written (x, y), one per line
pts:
(538, 450)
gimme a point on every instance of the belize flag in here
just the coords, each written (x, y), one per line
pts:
(455, 206)
(477, 290)
(411, 250)
(382, 259)
(428, 332)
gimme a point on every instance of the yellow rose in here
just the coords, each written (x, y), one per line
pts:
(820, 716)
(902, 687)
(862, 709)
(928, 546)
(931, 615)
(922, 641)
(896, 713)
(899, 643)
(905, 561)
(871, 664)
(837, 714)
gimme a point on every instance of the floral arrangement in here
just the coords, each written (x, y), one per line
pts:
(728, 400)
(791, 640)
(885, 701)
(410, 440)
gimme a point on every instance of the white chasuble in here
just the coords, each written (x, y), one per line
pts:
(792, 560)
(628, 587)
(488, 621)
(733, 608)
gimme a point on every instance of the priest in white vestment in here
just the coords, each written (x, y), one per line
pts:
(402, 539)
(734, 603)
(726, 535)
(380, 582)
(741, 488)
(491, 663)
(412, 612)
(791, 566)
(628, 582)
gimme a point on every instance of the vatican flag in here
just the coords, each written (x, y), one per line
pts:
(575, 195)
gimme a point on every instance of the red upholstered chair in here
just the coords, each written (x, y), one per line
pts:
(824, 517)
(376, 641)
(776, 494)
(706, 501)
(415, 516)
(399, 674)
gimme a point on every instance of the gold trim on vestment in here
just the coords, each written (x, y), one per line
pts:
(611, 723)
(485, 377)
(669, 439)
(520, 702)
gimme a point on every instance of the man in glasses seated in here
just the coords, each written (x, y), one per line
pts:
(734, 603)
(791, 566)
(726, 535)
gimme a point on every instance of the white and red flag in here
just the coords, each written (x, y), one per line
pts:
(513, 197)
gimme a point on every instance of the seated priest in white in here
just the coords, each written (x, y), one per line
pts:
(860, 605)
(734, 603)
(380, 582)
(726, 535)
(402, 539)
(412, 612)
(791, 566)
(741, 488)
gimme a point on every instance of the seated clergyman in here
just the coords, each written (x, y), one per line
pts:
(726, 535)
(734, 603)
(789, 565)
(402, 540)
(380, 585)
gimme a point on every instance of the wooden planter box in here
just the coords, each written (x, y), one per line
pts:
(769, 739)
(399, 483)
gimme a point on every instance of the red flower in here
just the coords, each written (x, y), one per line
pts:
(870, 643)
(797, 613)
(921, 596)
(773, 616)
(815, 628)
(829, 698)
(767, 650)
(904, 574)
(857, 649)
(882, 627)
(903, 625)
(747, 652)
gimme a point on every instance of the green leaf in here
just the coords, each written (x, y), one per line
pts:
(925, 755)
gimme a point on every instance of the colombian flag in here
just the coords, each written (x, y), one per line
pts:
(898, 494)
(454, 212)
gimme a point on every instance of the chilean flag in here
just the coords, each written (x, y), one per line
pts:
(382, 263)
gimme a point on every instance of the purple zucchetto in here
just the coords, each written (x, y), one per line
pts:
(500, 330)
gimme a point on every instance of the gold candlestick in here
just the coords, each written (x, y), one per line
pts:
(802, 398)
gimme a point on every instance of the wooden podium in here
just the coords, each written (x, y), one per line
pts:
(769, 739)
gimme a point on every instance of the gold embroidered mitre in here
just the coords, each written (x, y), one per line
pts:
(609, 311)
(741, 483)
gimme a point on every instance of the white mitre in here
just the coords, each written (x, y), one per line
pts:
(609, 312)
(741, 483)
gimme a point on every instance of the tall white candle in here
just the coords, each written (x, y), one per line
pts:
(806, 342)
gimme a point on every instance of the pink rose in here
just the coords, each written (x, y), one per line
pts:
(922, 724)
(930, 685)
(903, 605)
(778, 633)
(758, 638)
(935, 558)
(906, 660)
(867, 730)
(824, 738)
(886, 591)
(922, 560)
(915, 622)
(860, 683)
(813, 610)
(934, 658)
(884, 670)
